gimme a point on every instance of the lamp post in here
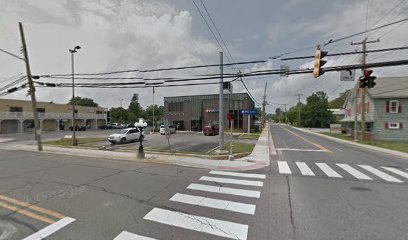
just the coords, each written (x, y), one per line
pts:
(72, 51)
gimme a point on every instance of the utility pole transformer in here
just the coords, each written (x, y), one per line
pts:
(221, 105)
(363, 91)
(37, 131)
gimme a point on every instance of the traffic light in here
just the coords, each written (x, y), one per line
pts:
(369, 79)
(317, 72)
(230, 116)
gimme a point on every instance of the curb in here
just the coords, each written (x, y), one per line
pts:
(374, 148)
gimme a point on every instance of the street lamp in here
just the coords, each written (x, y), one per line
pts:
(72, 51)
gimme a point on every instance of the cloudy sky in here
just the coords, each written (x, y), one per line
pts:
(132, 34)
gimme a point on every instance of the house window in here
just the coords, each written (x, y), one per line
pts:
(394, 105)
(394, 125)
(41, 110)
(16, 109)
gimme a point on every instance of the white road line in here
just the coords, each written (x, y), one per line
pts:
(299, 150)
(232, 181)
(304, 169)
(237, 174)
(50, 229)
(380, 174)
(328, 170)
(131, 236)
(284, 167)
(214, 203)
(357, 174)
(197, 223)
(225, 190)
(396, 171)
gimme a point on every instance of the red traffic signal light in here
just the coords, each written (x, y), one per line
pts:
(367, 72)
(229, 116)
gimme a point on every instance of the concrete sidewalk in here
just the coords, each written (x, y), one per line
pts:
(378, 149)
(259, 157)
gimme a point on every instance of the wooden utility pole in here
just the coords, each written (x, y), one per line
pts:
(263, 106)
(363, 90)
(37, 131)
(299, 95)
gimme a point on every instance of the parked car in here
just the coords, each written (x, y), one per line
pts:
(126, 135)
(172, 129)
(211, 130)
(78, 128)
(116, 126)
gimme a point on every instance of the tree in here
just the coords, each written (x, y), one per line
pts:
(339, 101)
(315, 112)
(86, 102)
(135, 111)
(119, 115)
(158, 113)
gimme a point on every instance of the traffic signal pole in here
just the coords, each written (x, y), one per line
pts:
(221, 106)
(363, 90)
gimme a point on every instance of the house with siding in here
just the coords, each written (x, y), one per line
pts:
(386, 110)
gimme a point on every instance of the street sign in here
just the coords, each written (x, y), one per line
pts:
(347, 75)
(248, 112)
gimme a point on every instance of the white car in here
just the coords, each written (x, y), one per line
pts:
(172, 129)
(126, 135)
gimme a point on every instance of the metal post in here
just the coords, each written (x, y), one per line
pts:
(37, 132)
(231, 157)
(249, 124)
(221, 106)
(74, 141)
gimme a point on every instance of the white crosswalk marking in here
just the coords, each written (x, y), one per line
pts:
(284, 167)
(328, 170)
(214, 203)
(304, 169)
(380, 174)
(197, 223)
(357, 174)
(396, 171)
(232, 181)
(237, 174)
(131, 236)
(225, 190)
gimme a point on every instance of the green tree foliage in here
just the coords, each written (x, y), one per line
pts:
(119, 115)
(86, 102)
(339, 101)
(315, 113)
(135, 111)
(158, 113)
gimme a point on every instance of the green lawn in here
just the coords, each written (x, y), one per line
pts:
(399, 146)
(239, 147)
(250, 136)
(81, 141)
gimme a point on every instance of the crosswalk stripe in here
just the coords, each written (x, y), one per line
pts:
(304, 169)
(380, 174)
(396, 171)
(131, 236)
(225, 190)
(232, 181)
(214, 203)
(197, 223)
(284, 167)
(328, 170)
(50, 229)
(357, 174)
(236, 174)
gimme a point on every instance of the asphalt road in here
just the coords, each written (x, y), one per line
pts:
(338, 191)
(70, 197)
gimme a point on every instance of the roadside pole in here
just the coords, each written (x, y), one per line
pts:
(153, 111)
(231, 157)
(363, 91)
(221, 106)
(37, 131)
(249, 123)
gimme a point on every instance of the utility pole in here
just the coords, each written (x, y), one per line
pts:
(153, 112)
(363, 90)
(286, 116)
(37, 131)
(299, 95)
(263, 106)
(221, 105)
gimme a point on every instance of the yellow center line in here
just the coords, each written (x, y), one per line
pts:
(33, 207)
(27, 213)
(309, 141)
